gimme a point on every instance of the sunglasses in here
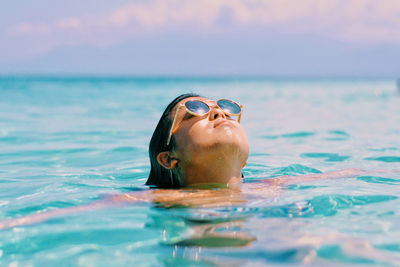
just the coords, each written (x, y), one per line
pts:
(199, 108)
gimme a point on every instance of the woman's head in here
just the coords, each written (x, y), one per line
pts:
(211, 148)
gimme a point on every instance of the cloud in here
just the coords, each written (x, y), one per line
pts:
(30, 28)
(27, 28)
(351, 20)
(69, 23)
(354, 20)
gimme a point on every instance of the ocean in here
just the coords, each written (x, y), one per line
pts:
(70, 141)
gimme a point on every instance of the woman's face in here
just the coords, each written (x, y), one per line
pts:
(211, 137)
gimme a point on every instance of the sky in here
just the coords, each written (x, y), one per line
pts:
(328, 38)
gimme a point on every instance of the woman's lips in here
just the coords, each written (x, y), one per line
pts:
(220, 122)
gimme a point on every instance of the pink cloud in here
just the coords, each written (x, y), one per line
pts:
(69, 23)
(352, 20)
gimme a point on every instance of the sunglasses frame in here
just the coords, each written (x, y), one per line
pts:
(172, 130)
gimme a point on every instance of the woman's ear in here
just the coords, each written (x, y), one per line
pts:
(167, 160)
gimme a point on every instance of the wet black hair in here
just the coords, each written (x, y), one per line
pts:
(159, 176)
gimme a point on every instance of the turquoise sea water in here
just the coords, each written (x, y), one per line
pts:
(70, 141)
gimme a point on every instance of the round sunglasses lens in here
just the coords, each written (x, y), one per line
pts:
(197, 107)
(229, 106)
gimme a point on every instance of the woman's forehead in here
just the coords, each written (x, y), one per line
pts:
(204, 99)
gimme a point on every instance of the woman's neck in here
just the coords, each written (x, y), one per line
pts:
(227, 172)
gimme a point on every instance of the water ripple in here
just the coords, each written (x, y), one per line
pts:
(379, 180)
(388, 159)
(327, 205)
(326, 156)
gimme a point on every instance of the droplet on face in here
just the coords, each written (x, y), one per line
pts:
(227, 130)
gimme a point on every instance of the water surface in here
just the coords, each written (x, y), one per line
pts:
(69, 141)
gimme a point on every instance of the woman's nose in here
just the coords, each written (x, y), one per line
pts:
(216, 112)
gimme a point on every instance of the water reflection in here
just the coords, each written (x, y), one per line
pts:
(202, 228)
(205, 217)
(189, 231)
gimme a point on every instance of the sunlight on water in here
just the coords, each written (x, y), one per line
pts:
(65, 142)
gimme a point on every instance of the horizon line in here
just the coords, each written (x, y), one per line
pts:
(189, 76)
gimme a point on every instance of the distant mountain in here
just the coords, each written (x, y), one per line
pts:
(178, 55)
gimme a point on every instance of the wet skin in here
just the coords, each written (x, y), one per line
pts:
(212, 148)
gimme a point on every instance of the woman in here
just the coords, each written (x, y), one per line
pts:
(198, 143)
